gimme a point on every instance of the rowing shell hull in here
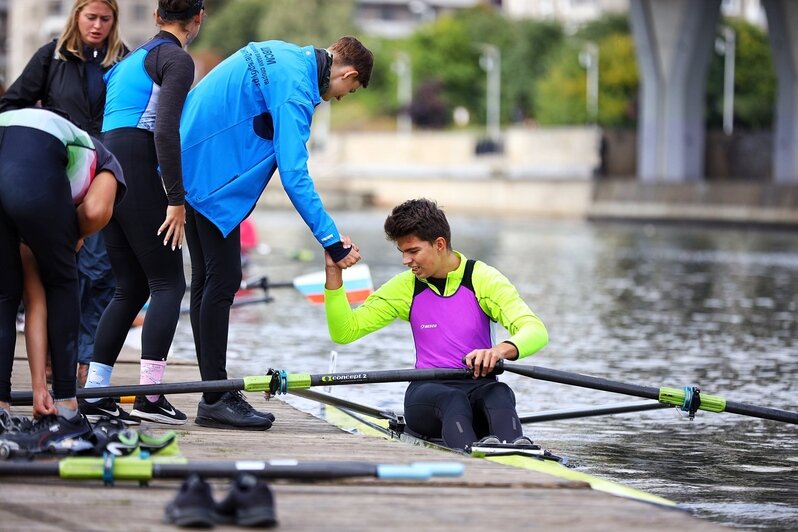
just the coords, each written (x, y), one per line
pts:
(345, 421)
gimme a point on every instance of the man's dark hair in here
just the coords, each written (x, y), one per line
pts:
(420, 217)
(351, 52)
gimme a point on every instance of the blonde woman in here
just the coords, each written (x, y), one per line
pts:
(66, 75)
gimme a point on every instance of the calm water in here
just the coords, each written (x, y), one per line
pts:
(641, 304)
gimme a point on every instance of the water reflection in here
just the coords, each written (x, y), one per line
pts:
(642, 304)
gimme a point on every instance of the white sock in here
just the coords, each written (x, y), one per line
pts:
(65, 411)
(99, 376)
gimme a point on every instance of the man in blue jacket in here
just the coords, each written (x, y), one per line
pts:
(248, 117)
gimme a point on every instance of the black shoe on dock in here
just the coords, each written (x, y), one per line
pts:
(105, 408)
(231, 411)
(161, 411)
(193, 504)
(43, 435)
(249, 503)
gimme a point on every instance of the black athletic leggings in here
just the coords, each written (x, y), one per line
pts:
(215, 278)
(462, 411)
(36, 206)
(143, 266)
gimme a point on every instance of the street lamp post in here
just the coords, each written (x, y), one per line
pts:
(727, 46)
(404, 91)
(589, 59)
(490, 61)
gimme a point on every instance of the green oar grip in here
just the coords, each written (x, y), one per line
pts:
(299, 381)
(92, 468)
(676, 397)
(257, 383)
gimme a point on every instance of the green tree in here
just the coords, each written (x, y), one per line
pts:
(231, 25)
(562, 92)
(754, 80)
(303, 22)
(524, 62)
(449, 50)
(446, 51)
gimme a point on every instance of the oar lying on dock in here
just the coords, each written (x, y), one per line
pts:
(689, 399)
(134, 468)
(274, 382)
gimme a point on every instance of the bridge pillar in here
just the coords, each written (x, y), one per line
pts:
(783, 30)
(674, 40)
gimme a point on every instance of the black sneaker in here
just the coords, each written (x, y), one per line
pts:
(263, 413)
(161, 411)
(43, 435)
(105, 408)
(231, 411)
(249, 503)
(11, 423)
(193, 504)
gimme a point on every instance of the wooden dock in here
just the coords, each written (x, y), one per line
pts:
(488, 496)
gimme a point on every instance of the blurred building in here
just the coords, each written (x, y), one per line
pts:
(32, 23)
(574, 13)
(750, 10)
(571, 13)
(399, 18)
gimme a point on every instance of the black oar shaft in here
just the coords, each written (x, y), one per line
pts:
(344, 403)
(578, 413)
(303, 471)
(397, 375)
(762, 412)
(585, 381)
(709, 402)
(26, 468)
(26, 398)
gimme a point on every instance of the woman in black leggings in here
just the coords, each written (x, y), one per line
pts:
(145, 97)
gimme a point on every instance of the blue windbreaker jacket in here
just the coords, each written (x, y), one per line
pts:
(249, 116)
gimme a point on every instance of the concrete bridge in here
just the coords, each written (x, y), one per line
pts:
(674, 40)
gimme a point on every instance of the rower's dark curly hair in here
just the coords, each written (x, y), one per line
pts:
(420, 217)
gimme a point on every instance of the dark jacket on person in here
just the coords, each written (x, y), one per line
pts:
(62, 85)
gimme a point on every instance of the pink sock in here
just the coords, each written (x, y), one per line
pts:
(152, 373)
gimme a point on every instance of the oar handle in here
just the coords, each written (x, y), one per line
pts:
(283, 382)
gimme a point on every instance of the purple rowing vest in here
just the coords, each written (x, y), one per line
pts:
(445, 329)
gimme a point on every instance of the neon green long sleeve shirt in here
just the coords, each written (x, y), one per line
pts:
(497, 297)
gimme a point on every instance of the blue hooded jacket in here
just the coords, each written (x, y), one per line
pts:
(249, 116)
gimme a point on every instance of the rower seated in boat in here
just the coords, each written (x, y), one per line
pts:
(451, 303)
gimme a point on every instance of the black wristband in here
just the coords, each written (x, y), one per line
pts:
(337, 251)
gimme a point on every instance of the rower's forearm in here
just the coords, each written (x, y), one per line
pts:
(334, 278)
(530, 338)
